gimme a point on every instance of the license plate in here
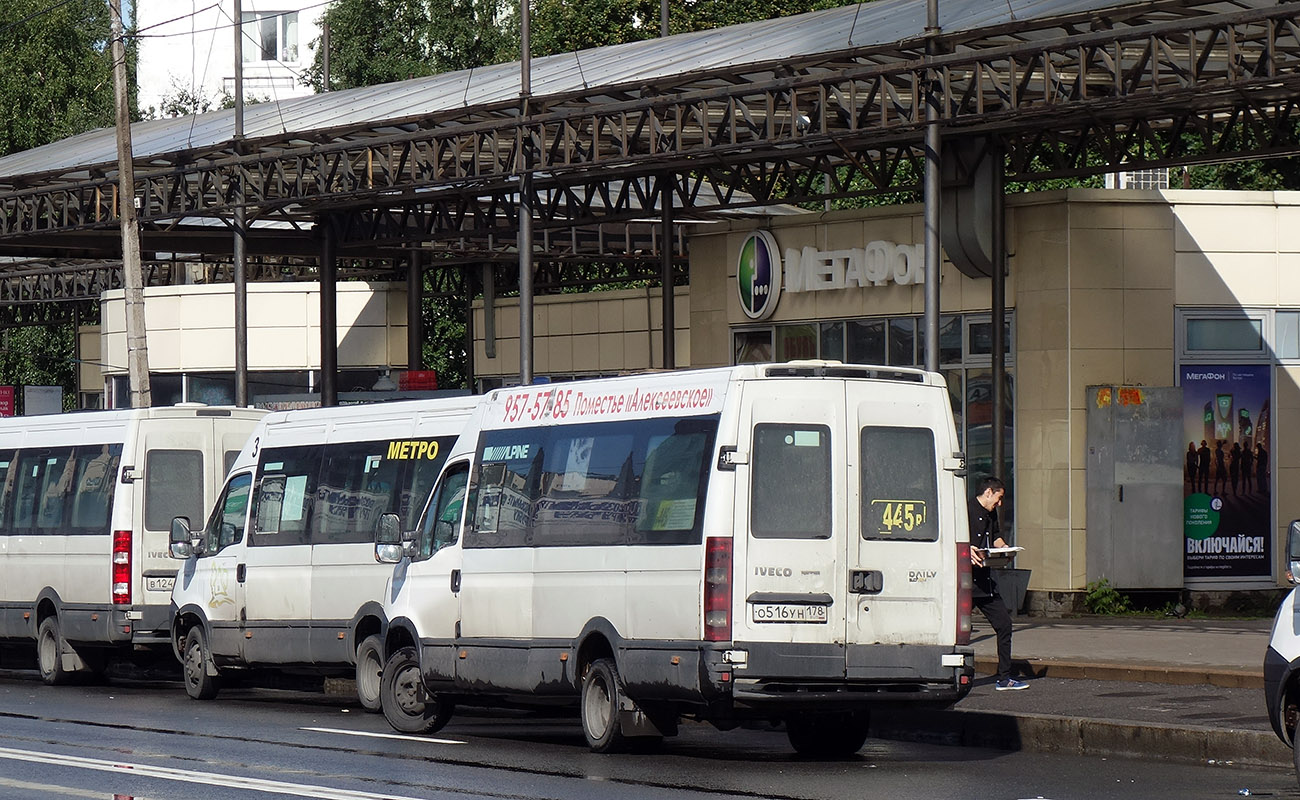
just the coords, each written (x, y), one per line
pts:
(787, 612)
(159, 584)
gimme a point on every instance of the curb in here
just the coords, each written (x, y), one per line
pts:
(1180, 676)
(1042, 733)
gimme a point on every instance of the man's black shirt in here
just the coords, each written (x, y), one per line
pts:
(983, 530)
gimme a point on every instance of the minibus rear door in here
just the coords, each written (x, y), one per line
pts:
(789, 566)
(898, 565)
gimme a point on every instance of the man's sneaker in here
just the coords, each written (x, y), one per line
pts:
(1010, 685)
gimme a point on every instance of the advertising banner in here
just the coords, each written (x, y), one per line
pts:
(6, 401)
(1227, 476)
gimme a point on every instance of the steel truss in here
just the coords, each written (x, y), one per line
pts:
(1150, 84)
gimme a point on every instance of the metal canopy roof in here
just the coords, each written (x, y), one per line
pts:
(891, 29)
(819, 106)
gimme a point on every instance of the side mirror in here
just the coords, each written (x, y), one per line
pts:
(1293, 552)
(181, 545)
(388, 540)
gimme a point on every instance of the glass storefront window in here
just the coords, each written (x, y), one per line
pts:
(956, 392)
(833, 341)
(215, 389)
(796, 342)
(1237, 335)
(949, 340)
(752, 347)
(981, 338)
(864, 340)
(1287, 324)
(902, 342)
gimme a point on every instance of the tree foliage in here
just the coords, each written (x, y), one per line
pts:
(380, 41)
(56, 75)
(56, 81)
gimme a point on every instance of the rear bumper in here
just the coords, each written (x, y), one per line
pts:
(811, 677)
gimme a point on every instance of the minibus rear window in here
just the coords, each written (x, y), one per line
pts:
(791, 493)
(173, 487)
(899, 496)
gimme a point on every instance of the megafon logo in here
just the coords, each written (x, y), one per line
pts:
(758, 275)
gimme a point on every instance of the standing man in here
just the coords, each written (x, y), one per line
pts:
(984, 533)
(1203, 467)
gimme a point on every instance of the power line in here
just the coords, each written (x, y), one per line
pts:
(262, 15)
(34, 15)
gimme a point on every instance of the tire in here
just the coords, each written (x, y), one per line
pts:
(601, 693)
(1295, 747)
(49, 653)
(399, 693)
(194, 665)
(818, 736)
(370, 668)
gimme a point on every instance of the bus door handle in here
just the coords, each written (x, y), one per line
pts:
(455, 580)
(241, 572)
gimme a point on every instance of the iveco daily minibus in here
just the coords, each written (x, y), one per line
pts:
(779, 542)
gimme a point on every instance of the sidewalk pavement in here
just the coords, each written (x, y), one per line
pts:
(1177, 689)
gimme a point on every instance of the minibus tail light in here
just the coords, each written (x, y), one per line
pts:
(964, 602)
(717, 589)
(122, 568)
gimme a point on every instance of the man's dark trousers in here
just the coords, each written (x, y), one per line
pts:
(995, 611)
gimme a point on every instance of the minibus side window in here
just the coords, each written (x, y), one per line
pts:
(587, 487)
(7, 475)
(44, 484)
(286, 496)
(226, 526)
(442, 524)
(505, 484)
(899, 487)
(173, 487)
(673, 483)
(418, 481)
(95, 479)
(790, 497)
(358, 482)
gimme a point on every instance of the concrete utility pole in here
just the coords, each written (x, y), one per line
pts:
(240, 252)
(137, 350)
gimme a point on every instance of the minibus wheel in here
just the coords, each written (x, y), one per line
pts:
(370, 666)
(600, 706)
(402, 696)
(49, 652)
(198, 683)
(827, 736)
(1295, 747)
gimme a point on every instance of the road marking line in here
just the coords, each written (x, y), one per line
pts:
(49, 788)
(192, 776)
(401, 736)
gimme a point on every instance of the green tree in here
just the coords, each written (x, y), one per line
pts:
(379, 41)
(55, 81)
(55, 71)
(562, 26)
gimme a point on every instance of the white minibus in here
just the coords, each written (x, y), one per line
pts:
(283, 575)
(84, 515)
(773, 542)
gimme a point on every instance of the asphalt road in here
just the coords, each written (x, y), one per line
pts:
(148, 740)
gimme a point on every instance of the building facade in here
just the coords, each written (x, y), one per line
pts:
(1139, 323)
(191, 343)
(187, 51)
